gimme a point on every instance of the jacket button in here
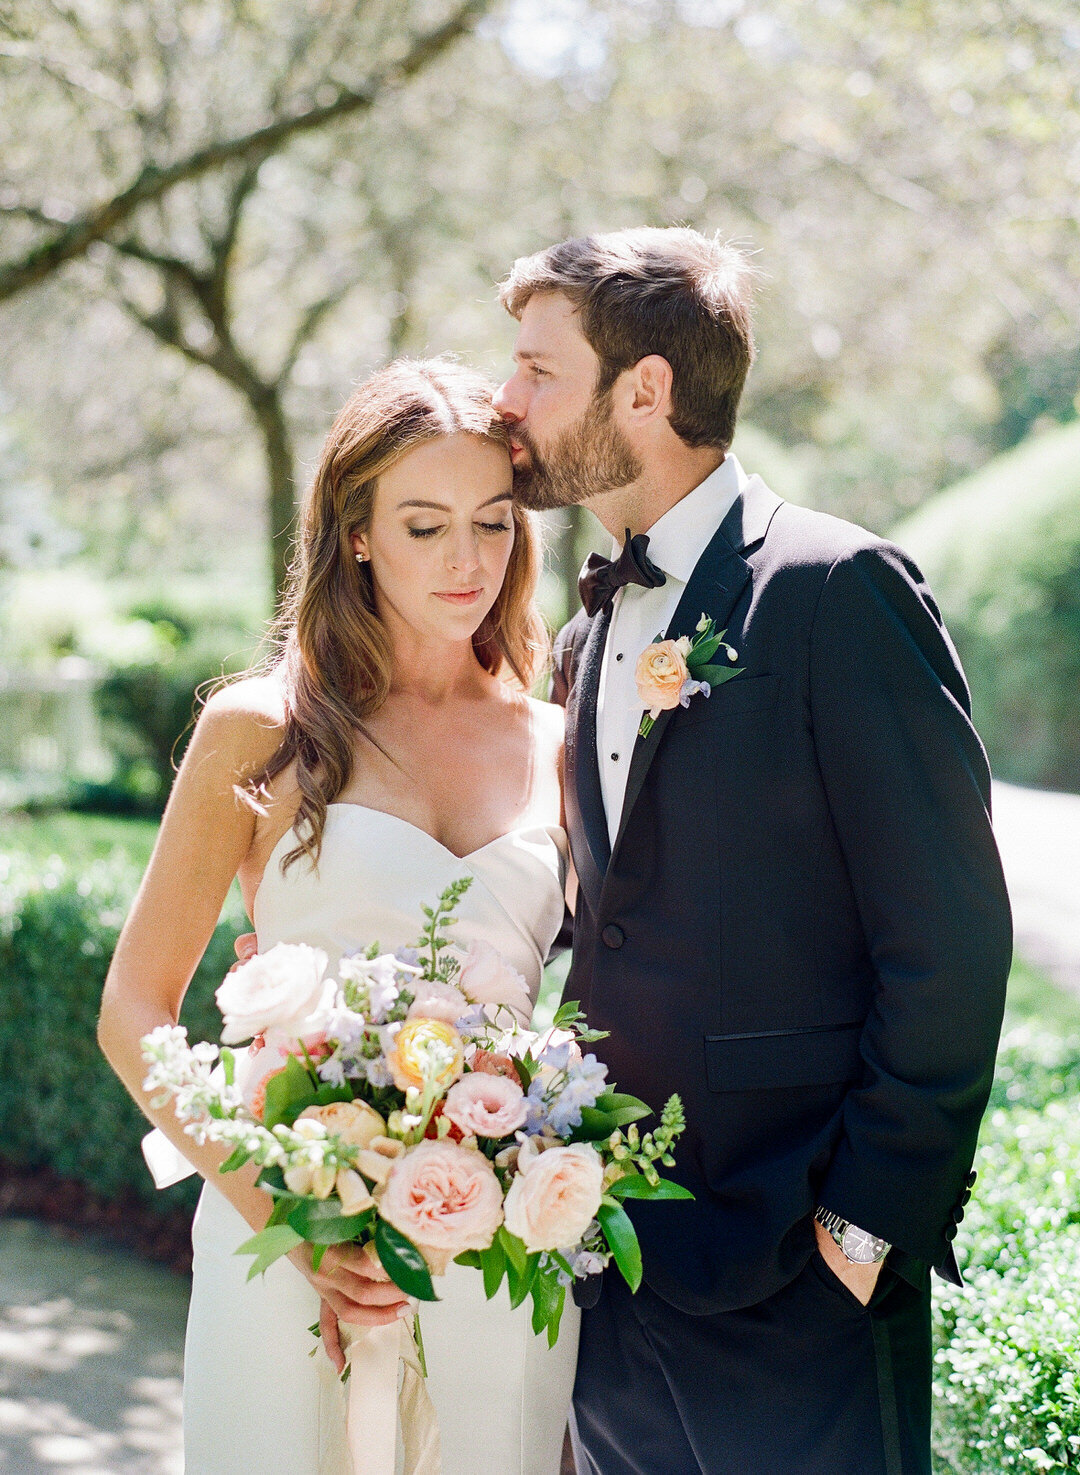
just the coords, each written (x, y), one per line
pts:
(613, 935)
(971, 1178)
(950, 1233)
(958, 1214)
(965, 1195)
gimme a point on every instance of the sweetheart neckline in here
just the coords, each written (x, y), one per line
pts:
(419, 829)
(416, 829)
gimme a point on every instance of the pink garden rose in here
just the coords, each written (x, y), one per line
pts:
(487, 978)
(554, 1199)
(484, 1105)
(660, 673)
(281, 990)
(446, 1199)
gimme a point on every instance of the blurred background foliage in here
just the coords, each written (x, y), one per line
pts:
(217, 217)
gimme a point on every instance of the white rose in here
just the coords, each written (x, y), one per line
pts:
(281, 990)
(554, 1198)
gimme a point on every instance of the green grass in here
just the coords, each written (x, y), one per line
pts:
(77, 838)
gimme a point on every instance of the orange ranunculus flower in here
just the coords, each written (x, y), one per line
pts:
(660, 674)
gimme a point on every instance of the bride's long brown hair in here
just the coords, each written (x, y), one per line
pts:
(331, 650)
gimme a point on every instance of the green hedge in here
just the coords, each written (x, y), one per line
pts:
(1008, 1344)
(60, 1102)
(1001, 551)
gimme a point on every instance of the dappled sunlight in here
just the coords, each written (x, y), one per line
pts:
(90, 1378)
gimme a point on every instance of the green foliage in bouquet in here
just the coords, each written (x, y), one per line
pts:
(61, 1103)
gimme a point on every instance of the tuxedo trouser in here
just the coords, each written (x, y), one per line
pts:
(809, 1382)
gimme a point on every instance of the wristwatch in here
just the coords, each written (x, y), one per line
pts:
(859, 1246)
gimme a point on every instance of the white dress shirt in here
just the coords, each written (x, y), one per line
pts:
(676, 542)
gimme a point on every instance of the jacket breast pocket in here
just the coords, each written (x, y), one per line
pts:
(731, 699)
(789, 1057)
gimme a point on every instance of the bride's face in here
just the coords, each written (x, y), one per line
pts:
(440, 536)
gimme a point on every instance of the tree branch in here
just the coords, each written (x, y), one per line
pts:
(154, 181)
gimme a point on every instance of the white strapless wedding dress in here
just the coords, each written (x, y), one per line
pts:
(255, 1402)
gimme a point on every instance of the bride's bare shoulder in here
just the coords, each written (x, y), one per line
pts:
(243, 722)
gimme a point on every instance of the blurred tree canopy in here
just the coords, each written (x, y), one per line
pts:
(907, 170)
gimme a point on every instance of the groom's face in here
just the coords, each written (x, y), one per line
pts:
(566, 445)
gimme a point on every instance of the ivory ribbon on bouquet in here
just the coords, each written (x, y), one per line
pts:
(376, 1403)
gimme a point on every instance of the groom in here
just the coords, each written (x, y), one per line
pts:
(790, 906)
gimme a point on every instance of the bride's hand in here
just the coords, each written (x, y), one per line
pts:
(245, 947)
(354, 1285)
(330, 1333)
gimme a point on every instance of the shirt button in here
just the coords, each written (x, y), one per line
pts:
(615, 757)
(619, 655)
(613, 935)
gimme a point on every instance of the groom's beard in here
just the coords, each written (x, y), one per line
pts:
(590, 458)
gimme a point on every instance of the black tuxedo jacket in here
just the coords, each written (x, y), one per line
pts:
(802, 926)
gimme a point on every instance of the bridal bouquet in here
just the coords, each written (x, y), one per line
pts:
(405, 1103)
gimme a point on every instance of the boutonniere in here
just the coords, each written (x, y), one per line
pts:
(670, 672)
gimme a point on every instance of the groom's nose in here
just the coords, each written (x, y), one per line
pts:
(507, 401)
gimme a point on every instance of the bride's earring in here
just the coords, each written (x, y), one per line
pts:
(361, 558)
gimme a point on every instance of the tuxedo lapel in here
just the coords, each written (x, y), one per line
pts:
(583, 790)
(719, 578)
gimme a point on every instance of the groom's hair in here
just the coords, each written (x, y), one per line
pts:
(672, 292)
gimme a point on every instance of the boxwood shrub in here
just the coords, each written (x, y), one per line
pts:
(60, 1102)
(1008, 1344)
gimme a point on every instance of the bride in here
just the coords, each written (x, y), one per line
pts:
(390, 748)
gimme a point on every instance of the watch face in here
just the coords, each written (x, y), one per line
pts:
(862, 1248)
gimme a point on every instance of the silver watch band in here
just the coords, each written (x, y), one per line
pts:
(858, 1245)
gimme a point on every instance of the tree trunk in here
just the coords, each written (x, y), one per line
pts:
(281, 502)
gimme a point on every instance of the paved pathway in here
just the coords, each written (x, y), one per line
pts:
(91, 1350)
(91, 1340)
(1039, 836)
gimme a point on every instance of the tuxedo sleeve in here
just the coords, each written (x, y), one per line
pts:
(909, 792)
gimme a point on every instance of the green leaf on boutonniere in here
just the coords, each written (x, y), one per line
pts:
(703, 651)
(717, 675)
(622, 1240)
(403, 1262)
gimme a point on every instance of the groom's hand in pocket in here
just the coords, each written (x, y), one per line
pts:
(859, 1279)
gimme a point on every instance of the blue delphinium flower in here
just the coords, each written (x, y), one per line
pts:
(585, 1081)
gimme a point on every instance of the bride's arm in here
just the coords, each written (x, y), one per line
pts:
(205, 835)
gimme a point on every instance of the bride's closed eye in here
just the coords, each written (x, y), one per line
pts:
(488, 527)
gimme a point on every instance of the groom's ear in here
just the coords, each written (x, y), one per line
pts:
(650, 383)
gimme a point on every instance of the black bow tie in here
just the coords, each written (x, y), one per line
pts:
(602, 578)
